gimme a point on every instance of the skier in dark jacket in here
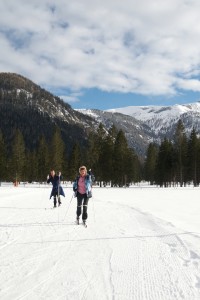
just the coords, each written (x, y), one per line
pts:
(82, 187)
(57, 189)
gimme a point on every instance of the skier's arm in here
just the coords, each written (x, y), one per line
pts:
(60, 176)
(48, 178)
(91, 176)
(75, 186)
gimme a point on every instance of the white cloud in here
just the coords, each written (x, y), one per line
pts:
(191, 84)
(147, 47)
(71, 97)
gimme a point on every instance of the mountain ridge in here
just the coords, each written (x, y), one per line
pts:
(137, 133)
(153, 123)
(162, 118)
(36, 112)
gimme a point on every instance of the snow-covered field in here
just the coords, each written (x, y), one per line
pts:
(141, 243)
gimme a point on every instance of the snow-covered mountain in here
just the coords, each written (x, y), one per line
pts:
(163, 119)
(36, 111)
(145, 124)
(137, 133)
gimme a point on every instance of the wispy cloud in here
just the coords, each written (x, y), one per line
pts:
(145, 47)
(71, 97)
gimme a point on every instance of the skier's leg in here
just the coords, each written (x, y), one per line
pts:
(54, 200)
(59, 201)
(79, 205)
(85, 206)
(54, 197)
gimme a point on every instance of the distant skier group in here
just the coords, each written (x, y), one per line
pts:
(82, 188)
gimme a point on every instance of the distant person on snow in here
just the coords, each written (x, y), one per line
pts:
(82, 188)
(57, 189)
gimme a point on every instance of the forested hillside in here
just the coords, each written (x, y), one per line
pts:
(39, 131)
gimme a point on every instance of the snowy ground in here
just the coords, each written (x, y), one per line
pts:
(141, 243)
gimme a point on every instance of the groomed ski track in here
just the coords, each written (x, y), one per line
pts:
(127, 252)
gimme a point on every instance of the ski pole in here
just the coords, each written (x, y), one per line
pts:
(58, 192)
(58, 185)
(93, 210)
(68, 207)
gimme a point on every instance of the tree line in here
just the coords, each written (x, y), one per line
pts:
(173, 162)
(106, 153)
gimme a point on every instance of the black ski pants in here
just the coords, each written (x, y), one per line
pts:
(82, 200)
(55, 197)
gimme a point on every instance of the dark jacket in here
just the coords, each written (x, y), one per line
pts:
(56, 186)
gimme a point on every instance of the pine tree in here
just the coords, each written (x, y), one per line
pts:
(31, 167)
(119, 159)
(180, 145)
(106, 159)
(57, 151)
(132, 167)
(193, 158)
(94, 151)
(18, 158)
(43, 157)
(100, 142)
(74, 161)
(165, 164)
(150, 163)
(3, 166)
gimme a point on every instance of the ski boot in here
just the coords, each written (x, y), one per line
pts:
(84, 223)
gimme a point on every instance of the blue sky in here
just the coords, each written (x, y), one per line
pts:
(105, 54)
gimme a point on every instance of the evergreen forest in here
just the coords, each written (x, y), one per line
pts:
(173, 162)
